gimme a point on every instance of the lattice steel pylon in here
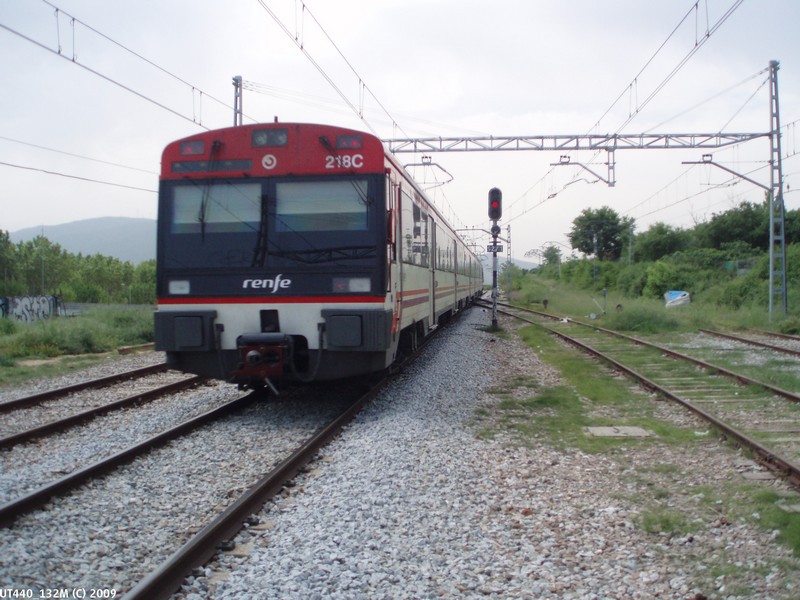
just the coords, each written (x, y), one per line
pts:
(777, 222)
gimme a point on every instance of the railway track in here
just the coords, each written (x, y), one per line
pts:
(61, 424)
(249, 451)
(48, 439)
(168, 577)
(756, 415)
(34, 499)
(30, 400)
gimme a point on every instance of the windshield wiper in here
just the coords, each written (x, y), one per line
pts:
(262, 251)
(201, 216)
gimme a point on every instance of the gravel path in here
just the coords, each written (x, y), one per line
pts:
(410, 503)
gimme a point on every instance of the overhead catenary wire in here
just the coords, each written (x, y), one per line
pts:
(196, 117)
(714, 97)
(334, 105)
(299, 43)
(633, 85)
(58, 51)
(81, 156)
(89, 179)
(698, 44)
(132, 52)
(731, 181)
(101, 75)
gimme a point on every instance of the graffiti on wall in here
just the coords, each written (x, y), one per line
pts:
(28, 308)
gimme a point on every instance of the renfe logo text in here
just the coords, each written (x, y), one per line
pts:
(273, 284)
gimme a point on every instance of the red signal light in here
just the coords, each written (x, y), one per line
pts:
(495, 204)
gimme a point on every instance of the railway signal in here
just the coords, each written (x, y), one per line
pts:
(495, 212)
(495, 204)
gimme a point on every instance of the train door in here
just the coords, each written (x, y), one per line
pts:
(456, 278)
(396, 270)
(432, 266)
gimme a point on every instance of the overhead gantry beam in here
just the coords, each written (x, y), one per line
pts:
(563, 143)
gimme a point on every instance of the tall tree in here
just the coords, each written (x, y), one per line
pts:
(600, 233)
(660, 240)
(551, 255)
(43, 265)
(747, 222)
(9, 285)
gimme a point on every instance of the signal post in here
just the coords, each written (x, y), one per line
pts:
(495, 212)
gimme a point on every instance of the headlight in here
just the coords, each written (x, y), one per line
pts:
(352, 284)
(179, 286)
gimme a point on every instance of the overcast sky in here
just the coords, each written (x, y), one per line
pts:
(427, 68)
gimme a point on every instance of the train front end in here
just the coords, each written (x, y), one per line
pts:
(271, 259)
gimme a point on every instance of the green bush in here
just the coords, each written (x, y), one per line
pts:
(663, 276)
(641, 319)
(51, 338)
(96, 331)
(790, 326)
(632, 279)
(7, 327)
(131, 326)
(735, 294)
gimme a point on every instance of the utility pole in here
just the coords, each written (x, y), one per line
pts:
(777, 222)
(237, 100)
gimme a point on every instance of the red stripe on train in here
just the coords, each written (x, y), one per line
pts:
(275, 300)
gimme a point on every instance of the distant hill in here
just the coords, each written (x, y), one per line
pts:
(131, 240)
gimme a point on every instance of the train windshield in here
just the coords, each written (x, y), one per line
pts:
(321, 206)
(216, 207)
(276, 223)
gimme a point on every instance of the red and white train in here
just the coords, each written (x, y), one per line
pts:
(299, 252)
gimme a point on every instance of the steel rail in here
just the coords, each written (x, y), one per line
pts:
(784, 336)
(164, 581)
(752, 342)
(770, 459)
(61, 424)
(15, 508)
(77, 387)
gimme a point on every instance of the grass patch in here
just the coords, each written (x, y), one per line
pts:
(663, 520)
(558, 415)
(643, 319)
(765, 507)
(93, 333)
(648, 315)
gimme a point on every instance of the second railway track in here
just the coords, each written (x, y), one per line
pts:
(756, 415)
(169, 493)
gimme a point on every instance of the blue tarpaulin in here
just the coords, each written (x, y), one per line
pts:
(676, 298)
